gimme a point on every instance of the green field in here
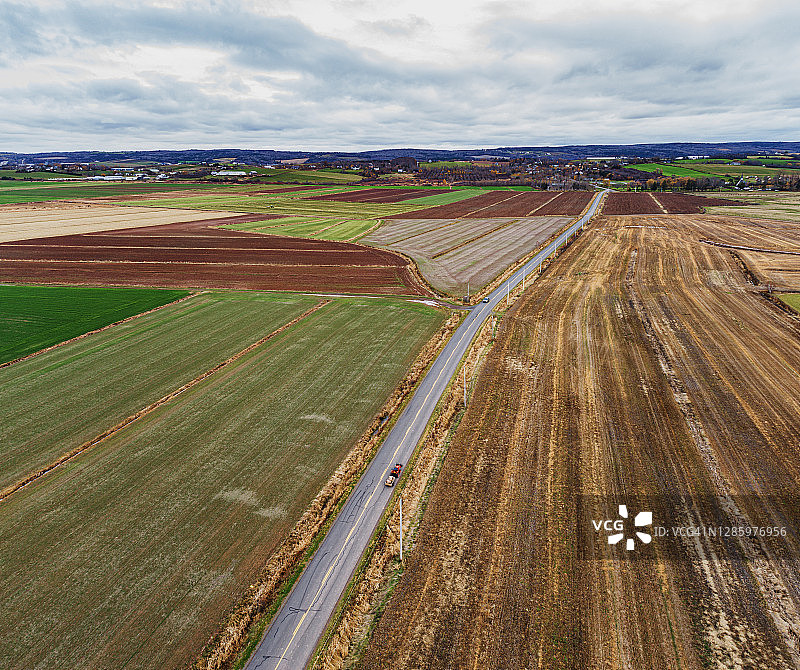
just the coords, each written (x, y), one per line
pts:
(336, 230)
(130, 555)
(721, 169)
(54, 402)
(35, 317)
(436, 165)
(667, 170)
(792, 299)
(22, 192)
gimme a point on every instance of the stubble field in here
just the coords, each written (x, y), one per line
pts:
(641, 366)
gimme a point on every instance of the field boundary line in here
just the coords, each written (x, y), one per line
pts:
(13, 488)
(99, 330)
(658, 202)
(740, 247)
(537, 208)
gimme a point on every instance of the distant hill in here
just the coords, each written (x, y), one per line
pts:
(266, 156)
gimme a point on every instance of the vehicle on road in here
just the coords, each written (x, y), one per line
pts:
(486, 299)
(393, 474)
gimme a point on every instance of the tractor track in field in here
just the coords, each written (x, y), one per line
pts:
(17, 486)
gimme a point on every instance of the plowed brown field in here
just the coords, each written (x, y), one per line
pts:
(566, 204)
(660, 203)
(197, 255)
(642, 363)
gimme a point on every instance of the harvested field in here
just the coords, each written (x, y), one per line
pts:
(779, 206)
(131, 555)
(379, 195)
(567, 204)
(54, 220)
(471, 207)
(35, 317)
(195, 255)
(640, 366)
(769, 249)
(451, 254)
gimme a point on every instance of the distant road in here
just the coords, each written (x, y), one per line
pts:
(292, 637)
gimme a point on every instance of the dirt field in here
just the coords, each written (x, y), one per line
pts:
(53, 219)
(195, 255)
(452, 253)
(566, 204)
(642, 366)
(507, 203)
(660, 203)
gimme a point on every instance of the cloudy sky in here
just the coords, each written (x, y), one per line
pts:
(357, 74)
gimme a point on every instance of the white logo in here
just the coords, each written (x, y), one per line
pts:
(641, 519)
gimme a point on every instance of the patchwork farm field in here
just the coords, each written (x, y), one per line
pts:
(35, 317)
(197, 255)
(642, 365)
(131, 553)
(451, 253)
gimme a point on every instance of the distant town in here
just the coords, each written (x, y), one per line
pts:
(731, 166)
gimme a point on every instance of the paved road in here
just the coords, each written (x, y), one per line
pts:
(292, 637)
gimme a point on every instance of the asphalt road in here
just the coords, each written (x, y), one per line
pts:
(291, 639)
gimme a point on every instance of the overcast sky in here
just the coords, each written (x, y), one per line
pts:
(357, 74)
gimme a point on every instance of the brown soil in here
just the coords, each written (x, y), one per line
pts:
(660, 203)
(567, 204)
(194, 254)
(642, 363)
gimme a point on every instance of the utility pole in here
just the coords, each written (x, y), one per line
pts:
(508, 291)
(465, 384)
(401, 529)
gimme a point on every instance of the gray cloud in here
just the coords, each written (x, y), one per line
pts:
(601, 77)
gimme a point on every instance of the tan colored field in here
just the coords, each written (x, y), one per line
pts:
(770, 249)
(50, 220)
(767, 205)
(642, 366)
